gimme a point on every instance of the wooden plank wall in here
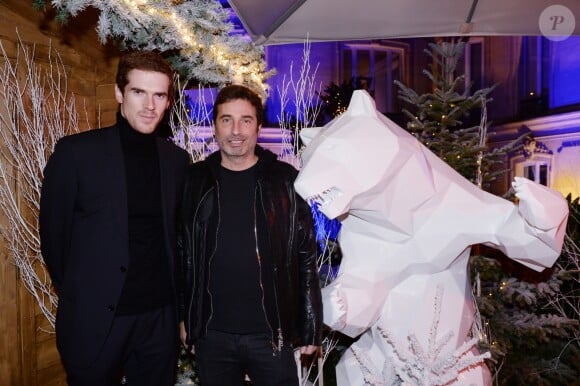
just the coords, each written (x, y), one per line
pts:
(28, 354)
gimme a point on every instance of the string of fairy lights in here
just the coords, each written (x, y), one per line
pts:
(198, 30)
(184, 31)
(169, 16)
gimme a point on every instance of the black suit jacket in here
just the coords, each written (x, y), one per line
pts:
(84, 232)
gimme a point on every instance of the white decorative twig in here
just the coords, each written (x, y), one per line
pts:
(37, 110)
(299, 104)
(191, 123)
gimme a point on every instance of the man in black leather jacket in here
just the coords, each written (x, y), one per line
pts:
(249, 292)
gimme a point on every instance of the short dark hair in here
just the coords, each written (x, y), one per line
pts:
(234, 92)
(146, 61)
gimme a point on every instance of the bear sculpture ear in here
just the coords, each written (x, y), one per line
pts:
(308, 133)
(361, 103)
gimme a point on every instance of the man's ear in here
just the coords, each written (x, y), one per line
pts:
(118, 94)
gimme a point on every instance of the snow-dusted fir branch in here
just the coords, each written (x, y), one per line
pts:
(198, 31)
(567, 302)
(545, 314)
(386, 376)
(416, 365)
(36, 111)
(556, 298)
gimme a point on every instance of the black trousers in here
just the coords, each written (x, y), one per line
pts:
(223, 359)
(141, 347)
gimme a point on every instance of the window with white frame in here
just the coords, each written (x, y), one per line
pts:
(536, 171)
(533, 162)
(375, 66)
(531, 72)
(471, 64)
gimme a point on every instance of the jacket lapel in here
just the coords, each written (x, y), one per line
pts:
(118, 180)
(165, 179)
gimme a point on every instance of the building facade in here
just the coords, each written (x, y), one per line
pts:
(537, 91)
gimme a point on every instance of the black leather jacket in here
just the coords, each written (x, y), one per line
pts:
(286, 220)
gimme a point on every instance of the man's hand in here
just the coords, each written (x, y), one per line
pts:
(183, 336)
(309, 350)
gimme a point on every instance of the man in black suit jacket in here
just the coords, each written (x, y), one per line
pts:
(107, 228)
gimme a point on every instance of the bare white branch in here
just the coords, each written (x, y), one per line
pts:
(300, 108)
(36, 110)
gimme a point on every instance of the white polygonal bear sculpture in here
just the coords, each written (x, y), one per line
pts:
(408, 223)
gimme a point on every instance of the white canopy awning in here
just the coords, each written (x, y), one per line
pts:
(288, 21)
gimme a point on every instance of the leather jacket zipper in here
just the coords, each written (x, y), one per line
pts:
(193, 262)
(211, 257)
(276, 346)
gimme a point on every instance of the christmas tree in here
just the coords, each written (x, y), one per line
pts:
(451, 120)
(529, 321)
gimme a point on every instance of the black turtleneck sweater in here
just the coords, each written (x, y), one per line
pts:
(147, 285)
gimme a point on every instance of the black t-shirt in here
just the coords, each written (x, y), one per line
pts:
(235, 275)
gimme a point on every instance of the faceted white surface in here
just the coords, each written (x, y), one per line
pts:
(408, 222)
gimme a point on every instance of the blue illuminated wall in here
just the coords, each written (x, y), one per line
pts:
(564, 80)
(287, 60)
